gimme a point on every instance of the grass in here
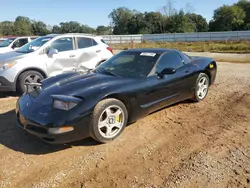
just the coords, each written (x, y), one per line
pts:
(219, 47)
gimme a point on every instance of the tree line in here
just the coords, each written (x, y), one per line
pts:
(125, 21)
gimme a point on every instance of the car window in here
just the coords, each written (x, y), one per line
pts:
(84, 42)
(169, 60)
(63, 44)
(19, 43)
(185, 57)
(7, 42)
(124, 59)
(129, 64)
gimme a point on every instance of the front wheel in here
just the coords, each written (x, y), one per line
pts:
(202, 86)
(109, 119)
(28, 77)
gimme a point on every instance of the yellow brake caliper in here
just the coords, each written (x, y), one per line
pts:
(118, 119)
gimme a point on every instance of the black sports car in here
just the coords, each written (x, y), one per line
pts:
(100, 103)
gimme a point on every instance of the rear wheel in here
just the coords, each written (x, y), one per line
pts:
(28, 77)
(109, 120)
(202, 86)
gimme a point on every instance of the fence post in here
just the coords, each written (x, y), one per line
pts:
(110, 39)
(132, 44)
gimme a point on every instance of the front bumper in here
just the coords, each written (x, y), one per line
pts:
(81, 129)
(6, 85)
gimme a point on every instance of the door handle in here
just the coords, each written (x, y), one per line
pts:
(72, 55)
(187, 71)
(98, 51)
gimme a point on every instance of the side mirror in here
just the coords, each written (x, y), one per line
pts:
(52, 52)
(166, 71)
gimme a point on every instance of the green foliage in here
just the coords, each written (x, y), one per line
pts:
(103, 30)
(39, 28)
(22, 26)
(227, 18)
(199, 23)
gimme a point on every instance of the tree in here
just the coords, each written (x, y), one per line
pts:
(227, 18)
(168, 9)
(120, 18)
(200, 24)
(7, 28)
(137, 24)
(102, 30)
(179, 23)
(245, 5)
(70, 27)
(155, 22)
(56, 29)
(39, 28)
(87, 29)
(22, 26)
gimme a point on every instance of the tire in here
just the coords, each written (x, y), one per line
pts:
(105, 120)
(26, 77)
(201, 93)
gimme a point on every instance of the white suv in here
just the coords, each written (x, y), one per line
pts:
(14, 43)
(48, 56)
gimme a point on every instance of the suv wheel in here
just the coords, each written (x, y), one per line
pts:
(28, 77)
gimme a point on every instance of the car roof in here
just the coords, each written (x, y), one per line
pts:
(72, 34)
(153, 50)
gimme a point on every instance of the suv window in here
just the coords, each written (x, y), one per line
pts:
(19, 43)
(84, 42)
(63, 44)
(169, 60)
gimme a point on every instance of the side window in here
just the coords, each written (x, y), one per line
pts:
(19, 43)
(169, 60)
(185, 57)
(84, 42)
(63, 44)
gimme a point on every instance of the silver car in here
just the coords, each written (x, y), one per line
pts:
(48, 56)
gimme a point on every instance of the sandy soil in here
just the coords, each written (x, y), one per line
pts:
(204, 144)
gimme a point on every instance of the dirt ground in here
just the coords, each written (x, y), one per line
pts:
(204, 144)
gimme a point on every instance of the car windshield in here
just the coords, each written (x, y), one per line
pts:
(34, 45)
(6, 42)
(129, 64)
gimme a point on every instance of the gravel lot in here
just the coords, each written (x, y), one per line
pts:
(203, 144)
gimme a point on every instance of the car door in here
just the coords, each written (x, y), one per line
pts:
(169, 89)
(65, 60)
(88, 52)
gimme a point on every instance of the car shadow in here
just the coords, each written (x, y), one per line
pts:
(13, 137)
(9, 94)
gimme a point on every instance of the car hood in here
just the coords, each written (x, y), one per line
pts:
(10, 56)
(82, 85)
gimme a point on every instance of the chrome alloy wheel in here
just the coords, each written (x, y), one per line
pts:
(111, 122)
(203, 85)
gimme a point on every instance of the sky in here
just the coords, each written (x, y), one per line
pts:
(95, 12)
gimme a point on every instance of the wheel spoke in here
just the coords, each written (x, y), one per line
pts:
(108, 131)
(29, 79)
(117, 125)
(108, 112)
(36, 78)
(118, 112)
(102, 124)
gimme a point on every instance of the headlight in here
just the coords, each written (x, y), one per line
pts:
(61, 105)
(62, 102)
(7, 65)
